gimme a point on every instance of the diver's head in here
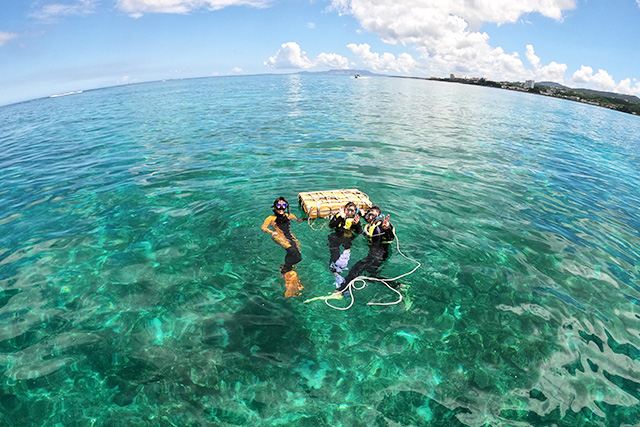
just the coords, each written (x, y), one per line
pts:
(351, 210)
(280, 206)
(374, 213)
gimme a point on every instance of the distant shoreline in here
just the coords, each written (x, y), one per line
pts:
(583, 96)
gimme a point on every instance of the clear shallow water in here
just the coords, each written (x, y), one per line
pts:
(137, 287)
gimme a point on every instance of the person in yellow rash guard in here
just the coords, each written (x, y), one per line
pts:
(279, 226)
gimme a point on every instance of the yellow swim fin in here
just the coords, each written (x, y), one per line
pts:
(292, 283)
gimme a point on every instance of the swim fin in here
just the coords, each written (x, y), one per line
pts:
(292, 283)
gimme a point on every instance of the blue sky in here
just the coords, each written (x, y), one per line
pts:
(55, 46)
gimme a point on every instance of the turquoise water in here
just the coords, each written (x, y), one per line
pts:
(136, 287)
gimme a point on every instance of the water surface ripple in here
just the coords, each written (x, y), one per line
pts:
(136, 287)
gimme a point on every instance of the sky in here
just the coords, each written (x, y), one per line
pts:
(50, 47)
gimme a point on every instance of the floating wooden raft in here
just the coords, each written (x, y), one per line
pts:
(321, 204)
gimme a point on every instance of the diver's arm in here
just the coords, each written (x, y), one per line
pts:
(267, 222)
(292, 216)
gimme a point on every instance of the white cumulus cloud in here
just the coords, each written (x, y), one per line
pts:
(553, 72)
(415, 12)
(583, 75)
(5, 37)
(532, 57)
(445, 33)
(290, 55)
(404, 63)
(600, 80)
(137, 8)
(625, 86)
(332, 60)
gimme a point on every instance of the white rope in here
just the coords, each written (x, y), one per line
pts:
(312, 221)
(351, 286)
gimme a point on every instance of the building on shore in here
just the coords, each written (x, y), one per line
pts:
(529, 84)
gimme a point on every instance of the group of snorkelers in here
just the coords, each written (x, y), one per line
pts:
(346, 226)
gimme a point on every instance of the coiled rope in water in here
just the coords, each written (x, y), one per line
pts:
(351, 286)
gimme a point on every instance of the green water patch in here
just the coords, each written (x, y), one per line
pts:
(136, 287)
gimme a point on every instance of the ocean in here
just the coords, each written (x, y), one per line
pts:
(137, 288)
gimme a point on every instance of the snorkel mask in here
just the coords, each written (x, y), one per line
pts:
(351, 211)
(371, 216)
(280, 204)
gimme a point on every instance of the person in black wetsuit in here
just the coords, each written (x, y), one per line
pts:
(346, 225)
(379, 231)
(279, 226)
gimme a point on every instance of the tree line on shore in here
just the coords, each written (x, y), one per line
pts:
(622, 103)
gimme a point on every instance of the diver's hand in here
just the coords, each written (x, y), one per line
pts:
(274, 233)
(341, 212)
(356, 219)
(385, 222)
